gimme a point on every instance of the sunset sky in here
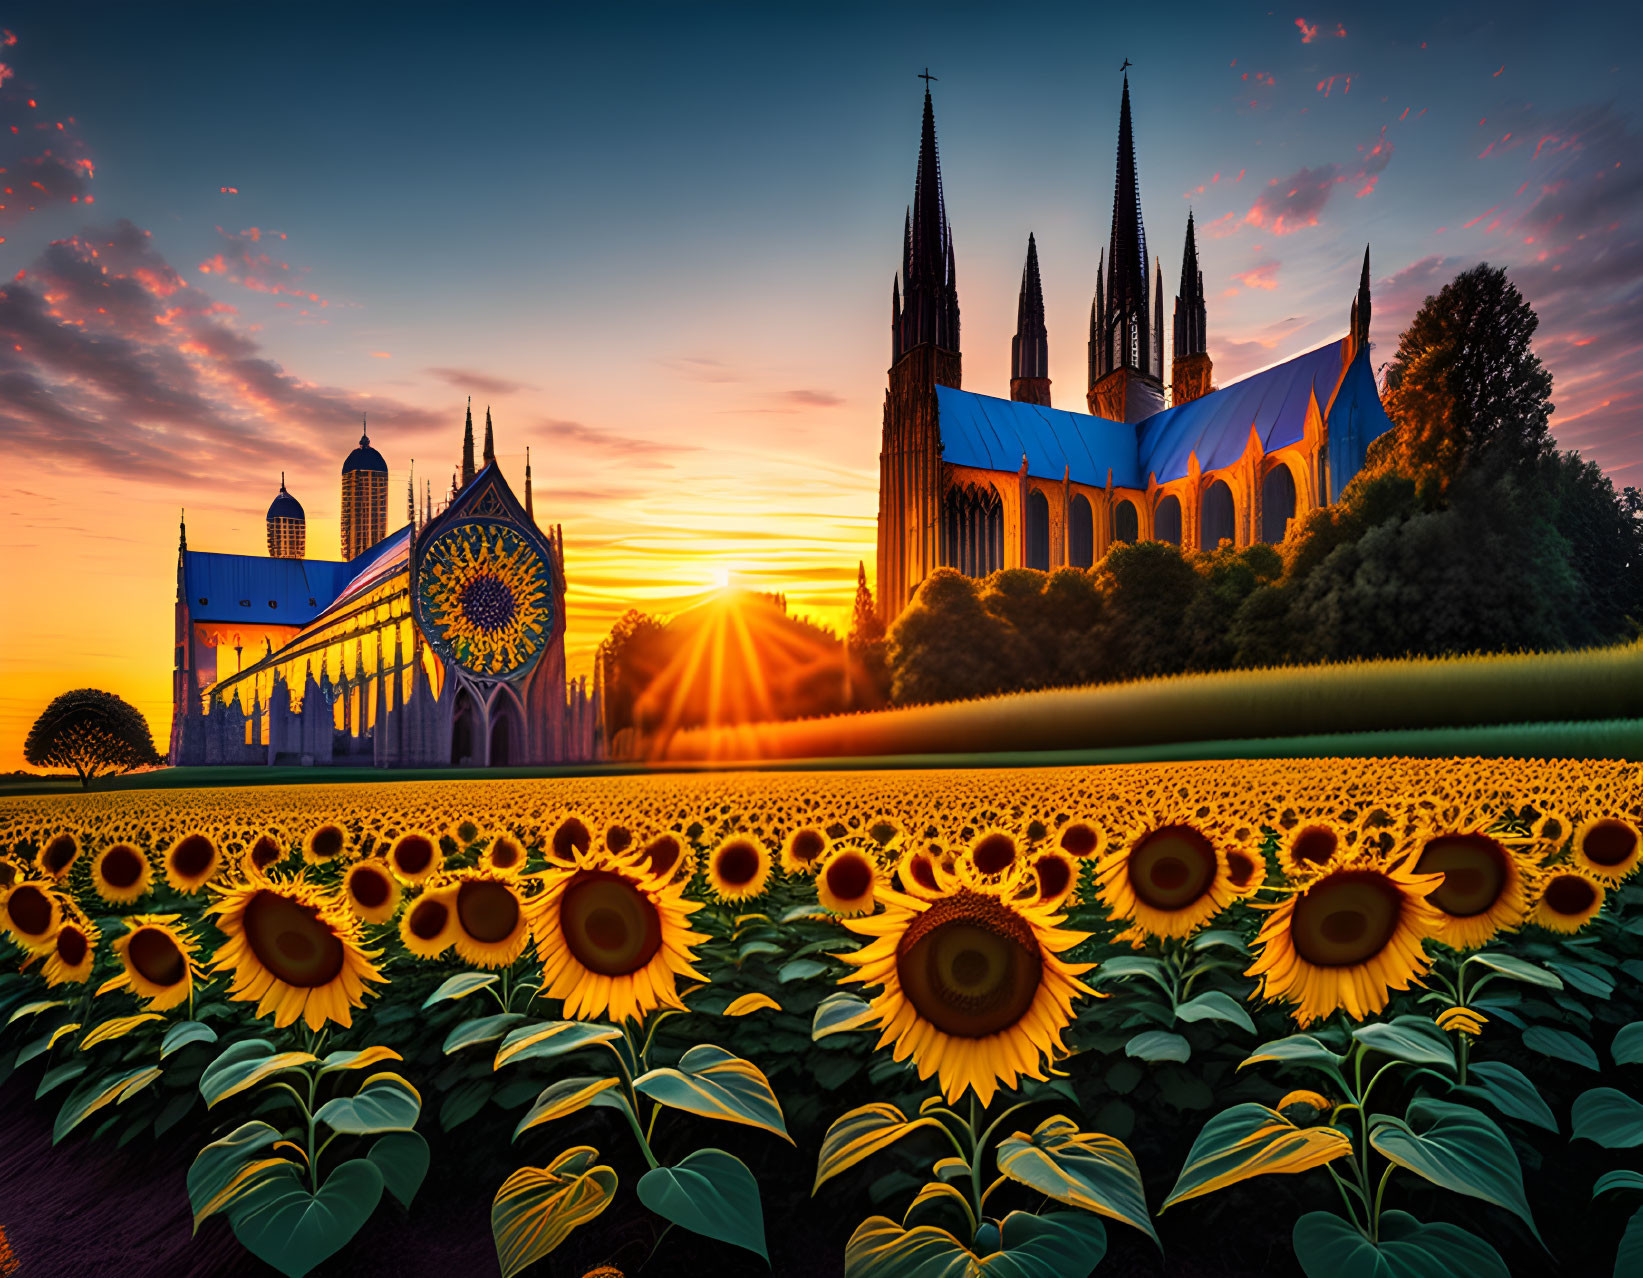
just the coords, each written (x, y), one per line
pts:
(659, 244)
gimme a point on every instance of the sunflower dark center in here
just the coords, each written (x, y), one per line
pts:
(428, 918)
(1474, 869)
(30, 910)
(370, 887)
(1172, 867)
(738, 863)
(266, 851)
(1570, 894)
(488, 603)
(994, 854)
(488, 912)
(59, 854)
(8, 874)
(1609, 842)
(328, 841)
(1346, 919)
(1240, 868)
(1054, 876)
(413, 854)
(292, 941)
(122, 866)
(505, 854)
(193, 855)
(618, 838)
(923, 871)
(1314, 845)
(1079, 839)
(807, 845)
(969, 965)
(663, 854)
(156, 957)
(72, 946)
(849, 876)
(609, 925)
(572, 836)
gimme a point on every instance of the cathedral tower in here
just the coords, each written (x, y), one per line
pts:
(364, 498)
(924, 354)
(1191, 370)
(1126, 348)
(1030, 348)
(287, 526)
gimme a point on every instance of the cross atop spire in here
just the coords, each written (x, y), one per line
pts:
(1127, 65)
(927, 77)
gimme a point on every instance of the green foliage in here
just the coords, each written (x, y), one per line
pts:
(710, 1193)
(1329, 1247)
(1055, 1245)
(92, 732)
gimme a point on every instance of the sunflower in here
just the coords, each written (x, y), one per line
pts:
(973, 988)
(415, 856)
(73, 950)
(920, 872)
(429, 926)
(491, 927)
(1607, 847)
(505, 855)
(191, 862)
(57, 857)
(618, 837)
(371, 890)
(11, 872)
(292, 950)
(665, 854)
(1567, 902)
(157, 956)
(265, 853)
(1347, 939)
(31, 912)
(613, 937)
(804, 850)
(324, 843)
(1080, 839)
(995, 852)
(1483, 888)
(1168, 880)
(1246, 870)
(570, 838)
(739, 868)
(846, 880)
(1310, 846)
(1054, 876)
(121, 874)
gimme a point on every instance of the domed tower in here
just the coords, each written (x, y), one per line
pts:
(364, 498)
(287, 526)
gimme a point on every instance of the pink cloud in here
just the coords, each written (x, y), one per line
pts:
(1311, 31)
(1296, 202)
(1263, 276)
(242, 261)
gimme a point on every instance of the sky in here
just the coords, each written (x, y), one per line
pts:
(658, 243)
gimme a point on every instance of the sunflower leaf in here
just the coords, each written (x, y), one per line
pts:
(839, 1012)
(402, 1158)
(1133, 965)
(1629, 1259)
(1213, 1005)
(1159, 1045)
(543, 1042)
(716, 1084)
(243, 1065)
(711, 1193)
(1610, 1118)
(219, 1172)
(1627, 1048)
(1622, 1179)
(537, 1207)
(1058, 1244)
(119, 1027)
(357, 1060)
(1560, 1045)
(1297, 1049)
(1252, 1140)
(749, 1003)
(280, 1221)
(1583, 978)
(563, 1098)
(1509, 965)
(1457, 1147)
(1081, 1169)
(483, 1029)
(1510, 1091)
(460, 986)
(1329, 1247)
(862, 1133)
(95, 1093)
(385, 1103)
(1413, 1039)
(183, 1033)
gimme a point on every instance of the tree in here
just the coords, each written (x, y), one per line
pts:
(866, 628)
(92, 732)
(1465, 385)
(629, 658)
(945, 646)
(869, 650)
(1148, 586)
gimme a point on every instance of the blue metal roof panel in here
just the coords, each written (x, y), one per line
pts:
(288, 592)
(1356, 419)
(994, 434)
(371, 567)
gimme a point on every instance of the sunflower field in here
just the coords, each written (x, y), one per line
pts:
(1329, 1017)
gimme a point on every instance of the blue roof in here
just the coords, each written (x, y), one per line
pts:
(281, 592)
(994, 434)
(364, 458)
(285, 506)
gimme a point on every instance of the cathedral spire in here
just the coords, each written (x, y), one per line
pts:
(929, 312)
(468, 444)
(182, 527)
(530, 513)
(1158, 318)
(490, 438)
(1360, 305)
(1190, 369)
(1030, 348)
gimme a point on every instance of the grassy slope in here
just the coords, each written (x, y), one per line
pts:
(1405, 696)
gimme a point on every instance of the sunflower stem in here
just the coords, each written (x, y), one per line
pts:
(1375, 1216)
(975, 1165)
(313, 1156)
(1351, 1211)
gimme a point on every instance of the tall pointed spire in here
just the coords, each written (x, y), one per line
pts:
(1190, 370)
(490, 438)
(410, 496)
(530, 512)
(1360, 305)
(468, 444)
(1158, 318)
(929, 311)
(182, 529)
(1030, 348)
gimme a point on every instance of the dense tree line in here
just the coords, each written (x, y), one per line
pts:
(1466, 531)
